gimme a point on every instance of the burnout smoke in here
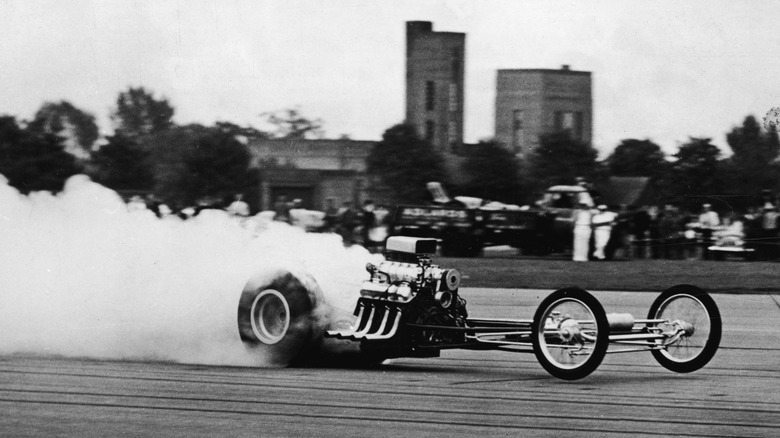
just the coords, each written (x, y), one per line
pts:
(80, 275)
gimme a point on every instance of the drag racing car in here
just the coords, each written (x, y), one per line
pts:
(410, 307)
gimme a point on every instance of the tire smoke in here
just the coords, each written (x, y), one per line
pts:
(80, 275)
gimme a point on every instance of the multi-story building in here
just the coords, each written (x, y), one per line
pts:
(534, 102)
(529, 103)
(434, 84)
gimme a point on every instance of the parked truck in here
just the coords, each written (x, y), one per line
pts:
(465, 226)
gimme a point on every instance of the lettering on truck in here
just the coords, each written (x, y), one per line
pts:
(437, 216)
(509, 221)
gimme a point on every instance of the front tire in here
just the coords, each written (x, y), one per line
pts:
(570, 333)
(275, 318)
(695, 307)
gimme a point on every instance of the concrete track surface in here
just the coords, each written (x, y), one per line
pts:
(463, 393)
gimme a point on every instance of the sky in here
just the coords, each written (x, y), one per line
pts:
(662, 70)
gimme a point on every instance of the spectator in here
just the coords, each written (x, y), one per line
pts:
(640, 231)
(367, 220)
(208, 203)
(238, 207)
(653, 231)
(330, 221)
(164, 211)
(186, 212)
(282, 209)
(582, 231)
(731, 226)
(619, 245)
(752, 227)
(602, 230)
(347, 223)
(708, 218)
(670, 228)
(769, 236)
(136, 204)
(153, 204)
(297, 214)
(708, 223)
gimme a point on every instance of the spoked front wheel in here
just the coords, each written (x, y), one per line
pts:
(691, 327)
(570, 333)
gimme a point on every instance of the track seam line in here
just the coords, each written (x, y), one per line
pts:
(350, 390)
(480, 425)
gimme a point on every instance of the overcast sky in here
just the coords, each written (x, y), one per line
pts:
(661, 70)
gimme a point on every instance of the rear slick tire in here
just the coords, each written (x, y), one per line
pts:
(275, 318)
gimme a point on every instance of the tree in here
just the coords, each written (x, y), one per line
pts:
(240, 132)
(754, 165)
(695, 173)
(751, 144)
(404, 163)
(194, 162)
(559, 159)
(61, 118)
(492, 172)
(637, 158)
(290, 123)
(121, 164)
(32, 160)
(139, 113)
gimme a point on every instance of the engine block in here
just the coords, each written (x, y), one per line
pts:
(405, 293)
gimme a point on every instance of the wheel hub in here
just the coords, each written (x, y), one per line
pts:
(569, 331)
(270, 316)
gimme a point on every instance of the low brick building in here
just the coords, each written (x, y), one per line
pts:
(312, 171)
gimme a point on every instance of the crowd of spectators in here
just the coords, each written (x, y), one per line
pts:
(599, 233)
(670, 233)
(366, 226)
(236, 208)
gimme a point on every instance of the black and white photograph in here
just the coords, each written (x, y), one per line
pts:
(370, 218)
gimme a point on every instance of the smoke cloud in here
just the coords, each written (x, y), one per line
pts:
(81, 275)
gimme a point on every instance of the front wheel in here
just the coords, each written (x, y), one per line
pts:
(570, 333)
(275, 319)
(691, 325)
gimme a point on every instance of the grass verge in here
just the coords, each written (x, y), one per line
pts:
(634, 275)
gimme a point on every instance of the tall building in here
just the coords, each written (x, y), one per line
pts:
(534, 102)
(434, 84)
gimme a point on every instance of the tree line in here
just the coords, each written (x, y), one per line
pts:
(146, 154)
(182, 164)
(698, 172)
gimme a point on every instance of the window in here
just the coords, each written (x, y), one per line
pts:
(452, 134)
(578, 131)
(569, 121)
(430, 131)
(430, 95)
(453, 97)
(517, 130)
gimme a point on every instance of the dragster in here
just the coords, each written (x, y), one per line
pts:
(410, 307)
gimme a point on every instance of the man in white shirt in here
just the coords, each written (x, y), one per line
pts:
(708, 218)
(602, 230)
(582, 232)
(708, 223)
(238, 207)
